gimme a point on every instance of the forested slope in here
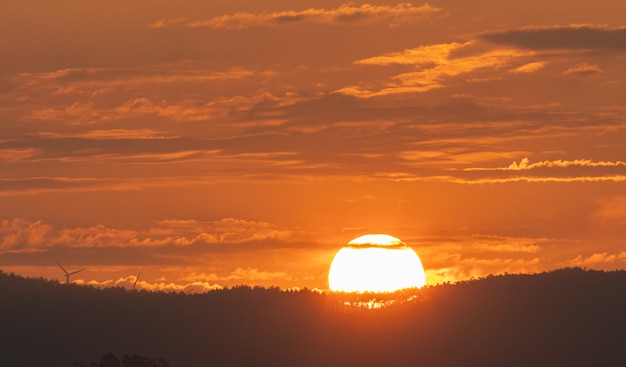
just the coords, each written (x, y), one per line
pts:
(569, 317)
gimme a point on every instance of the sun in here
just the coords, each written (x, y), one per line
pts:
(375, 263)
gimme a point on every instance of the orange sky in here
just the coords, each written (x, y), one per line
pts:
(216, 143)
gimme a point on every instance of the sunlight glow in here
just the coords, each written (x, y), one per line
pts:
(375, 263)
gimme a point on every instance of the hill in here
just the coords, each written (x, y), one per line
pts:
(568, 317)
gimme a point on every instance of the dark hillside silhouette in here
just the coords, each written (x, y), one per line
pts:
(569, 317)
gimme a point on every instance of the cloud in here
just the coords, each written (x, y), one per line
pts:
(76, 113)
(226, 230)
(238, 275)
(424, 55)
(572, 37)
(87, 81)
(17, 155)
(435, 67)
(106, 96)
(503, 180)
(501, 244)
(525, 164)
(347, 14)
(115, 134)
(457, 258)
(147, 147)
(530, 67)
(19, 235)
(583, 69)
(193, 287)
(598, 259)
(466, 268)
(88, 113)
(39, 185)
(154, 286)
(189, 281)
(565, 171)
(22, 235)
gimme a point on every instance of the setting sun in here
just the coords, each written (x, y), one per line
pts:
(375, 263)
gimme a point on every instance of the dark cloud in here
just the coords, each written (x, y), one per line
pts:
(333, 135)
(289, 18)
(403, 13)
(565, 37)
(80, 147)
(30, 184)
(583, 69)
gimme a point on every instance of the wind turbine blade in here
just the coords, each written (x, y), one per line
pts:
(136, 279)
(58, 263)
(77, 271)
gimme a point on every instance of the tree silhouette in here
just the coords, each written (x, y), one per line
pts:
(109, 360)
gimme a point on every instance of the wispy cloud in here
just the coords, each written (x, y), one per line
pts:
(17, 155)
(531, 179)
(458, 267)
(36, 185)
(481, 180)
(435, 65)
(423, 55)
(583, 69)
(19, 235)
(599, 259)
(74, 80)
(462, 257)
(108, 134)
(88, 113)
(347, 14)
(238, 275)
(556, 171)
(96, 96)
(525, 164)
(530, 67)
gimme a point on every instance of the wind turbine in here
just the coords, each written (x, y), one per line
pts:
(136, 279)
(67, 274)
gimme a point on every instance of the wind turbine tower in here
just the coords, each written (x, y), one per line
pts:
(67, 274)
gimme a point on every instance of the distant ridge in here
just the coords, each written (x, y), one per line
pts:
(566, 317)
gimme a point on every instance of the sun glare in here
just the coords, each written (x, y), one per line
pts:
(375, 263)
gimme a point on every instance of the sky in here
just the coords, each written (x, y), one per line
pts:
(211, 144)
